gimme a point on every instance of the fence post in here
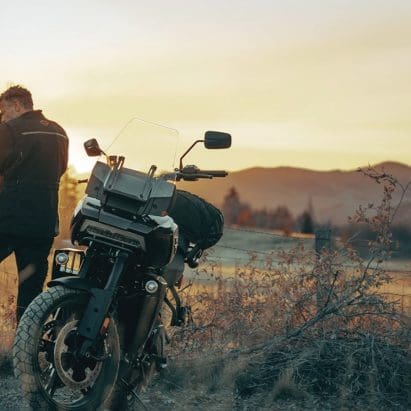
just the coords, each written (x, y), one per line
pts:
(322, 241)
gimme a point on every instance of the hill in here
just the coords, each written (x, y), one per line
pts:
(334, 194)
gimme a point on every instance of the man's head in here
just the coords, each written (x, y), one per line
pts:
(15, 101)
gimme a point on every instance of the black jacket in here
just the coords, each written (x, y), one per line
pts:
(33, 157)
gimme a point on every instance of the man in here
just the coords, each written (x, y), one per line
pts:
(33, 157)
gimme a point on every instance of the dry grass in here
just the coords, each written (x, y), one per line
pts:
(249, 342)
(239, 352)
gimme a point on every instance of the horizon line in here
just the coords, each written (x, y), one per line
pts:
(396, 162)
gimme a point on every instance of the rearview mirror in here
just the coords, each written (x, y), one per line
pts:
(92, 148)
(217, 139)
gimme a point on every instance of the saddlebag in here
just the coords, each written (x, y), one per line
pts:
(198, 220)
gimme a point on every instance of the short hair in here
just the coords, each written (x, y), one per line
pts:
(19, 93)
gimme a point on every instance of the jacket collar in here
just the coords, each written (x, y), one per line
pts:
(31, 114)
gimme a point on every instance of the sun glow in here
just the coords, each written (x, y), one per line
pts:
(78, 158)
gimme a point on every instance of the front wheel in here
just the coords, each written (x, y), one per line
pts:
(51, 374)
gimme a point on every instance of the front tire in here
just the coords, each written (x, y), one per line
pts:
(50, 374)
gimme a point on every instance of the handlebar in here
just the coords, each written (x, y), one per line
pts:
(192, 173)
(214, 173)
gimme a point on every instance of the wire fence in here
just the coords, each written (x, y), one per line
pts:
(239, 246)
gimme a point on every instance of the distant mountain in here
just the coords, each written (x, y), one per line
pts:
(334, 194)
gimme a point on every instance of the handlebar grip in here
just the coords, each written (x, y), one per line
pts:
(191, 177)
(193, 256)
(214, 173)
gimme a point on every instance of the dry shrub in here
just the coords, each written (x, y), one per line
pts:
(8, 322)
(344, 369)
(312, 326)
(231, 313)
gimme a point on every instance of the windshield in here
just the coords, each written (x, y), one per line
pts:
(143, 144)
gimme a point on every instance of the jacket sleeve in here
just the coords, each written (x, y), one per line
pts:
(6, 148)
(64, 155)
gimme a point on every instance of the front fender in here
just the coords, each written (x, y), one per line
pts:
(75, 283)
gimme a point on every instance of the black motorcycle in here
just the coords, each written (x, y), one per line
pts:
(94, 338)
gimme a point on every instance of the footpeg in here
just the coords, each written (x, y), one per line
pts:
(183, 313)
(181, 316)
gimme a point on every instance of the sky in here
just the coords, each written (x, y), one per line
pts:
(323, 84)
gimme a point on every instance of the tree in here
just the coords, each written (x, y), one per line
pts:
(305, 221)
(281, 219)
(235, 211)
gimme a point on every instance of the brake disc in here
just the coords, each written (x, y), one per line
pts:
(74, 373)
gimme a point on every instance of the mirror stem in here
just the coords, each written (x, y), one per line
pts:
(181, 158)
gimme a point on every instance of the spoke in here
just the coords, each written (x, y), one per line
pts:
(50, 376)
(56, 314)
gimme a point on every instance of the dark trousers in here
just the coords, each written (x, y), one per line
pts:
(31, 259)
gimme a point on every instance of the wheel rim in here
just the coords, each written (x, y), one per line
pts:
(65, 381)
(73, 373)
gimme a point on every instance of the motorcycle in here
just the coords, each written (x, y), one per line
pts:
(95, 337)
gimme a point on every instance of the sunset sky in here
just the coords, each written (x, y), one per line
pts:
(317, 84)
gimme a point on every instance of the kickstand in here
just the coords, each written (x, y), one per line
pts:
(135, 395)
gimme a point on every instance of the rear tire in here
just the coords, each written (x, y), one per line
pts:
(41, 366)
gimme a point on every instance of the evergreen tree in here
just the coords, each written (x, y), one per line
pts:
(306, 223)
(231, 206)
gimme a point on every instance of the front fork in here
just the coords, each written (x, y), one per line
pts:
(99, 304)
(154, 289)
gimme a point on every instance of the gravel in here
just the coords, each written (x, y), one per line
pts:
(11, 398)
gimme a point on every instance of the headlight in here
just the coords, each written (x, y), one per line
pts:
(105, 231)
(151, 286)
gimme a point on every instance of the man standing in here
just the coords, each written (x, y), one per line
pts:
(33, 157)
